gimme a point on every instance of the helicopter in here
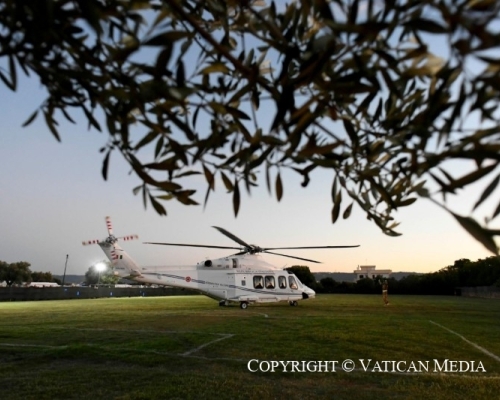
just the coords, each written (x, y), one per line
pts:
(244, 277)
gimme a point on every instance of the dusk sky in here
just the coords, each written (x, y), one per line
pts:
(52, 197)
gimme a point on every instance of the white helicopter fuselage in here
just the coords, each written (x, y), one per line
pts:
(243, 279)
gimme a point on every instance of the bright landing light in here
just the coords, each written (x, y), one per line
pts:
(100, 267)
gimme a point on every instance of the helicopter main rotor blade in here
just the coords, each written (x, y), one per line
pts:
(193, 245)
(298, 258)
(241, 253)
(309, 247)
(231, 236)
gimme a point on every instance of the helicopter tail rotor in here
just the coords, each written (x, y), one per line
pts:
(109, 225)
(123, 265)
(89, 242)
(111, 239)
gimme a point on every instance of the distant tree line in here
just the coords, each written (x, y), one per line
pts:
(463, 273)
(20, 272)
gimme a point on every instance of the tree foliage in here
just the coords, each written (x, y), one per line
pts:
(304, 274)
(105, 277)
(17, 272)
(241, 91)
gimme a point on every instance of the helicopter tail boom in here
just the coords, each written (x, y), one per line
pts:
(123, 265)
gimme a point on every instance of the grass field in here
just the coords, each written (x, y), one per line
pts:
(189, 347)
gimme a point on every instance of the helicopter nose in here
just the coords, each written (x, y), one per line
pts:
(308, 293)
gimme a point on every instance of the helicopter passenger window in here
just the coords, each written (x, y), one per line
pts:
(258, 282)
(292, 283)
(270, 282)
(235, 263)
(282, 282)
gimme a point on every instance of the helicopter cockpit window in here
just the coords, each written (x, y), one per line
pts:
(258, 282)
(292, 282)
(282, 282)
(270, 282)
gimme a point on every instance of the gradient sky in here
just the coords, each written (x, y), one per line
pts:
(52, 197)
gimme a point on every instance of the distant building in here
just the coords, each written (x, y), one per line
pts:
(371, 271)
(43, 284)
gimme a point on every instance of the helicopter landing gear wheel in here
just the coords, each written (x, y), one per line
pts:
(244, 305)
(293, 303)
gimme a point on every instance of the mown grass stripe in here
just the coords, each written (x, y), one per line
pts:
(482, 349)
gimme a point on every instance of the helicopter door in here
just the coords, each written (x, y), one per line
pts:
(235, 262)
